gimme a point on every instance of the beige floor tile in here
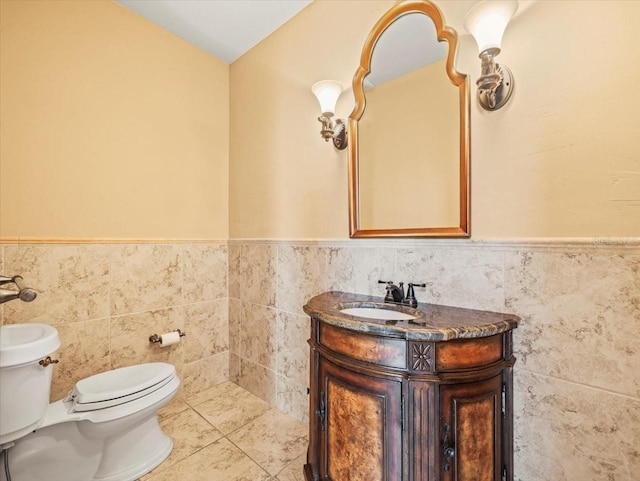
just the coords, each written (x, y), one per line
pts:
(293, 472)
(232, 409)
(174, 407)
(273, 440)
(189, 433)
(219, 461)
(219, 390)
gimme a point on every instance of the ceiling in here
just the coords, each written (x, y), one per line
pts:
(224, 28)
(229, 28)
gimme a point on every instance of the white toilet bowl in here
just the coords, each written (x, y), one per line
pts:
(106, 429)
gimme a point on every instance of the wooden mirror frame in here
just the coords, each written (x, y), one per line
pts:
(460, 80)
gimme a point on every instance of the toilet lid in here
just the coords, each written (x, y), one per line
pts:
(120, 385)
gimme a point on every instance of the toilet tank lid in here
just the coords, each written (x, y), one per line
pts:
(121, 382)
(26, 343)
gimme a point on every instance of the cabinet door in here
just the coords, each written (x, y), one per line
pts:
(471, 431)
(360, 426)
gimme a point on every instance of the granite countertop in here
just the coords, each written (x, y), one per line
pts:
(433, 323)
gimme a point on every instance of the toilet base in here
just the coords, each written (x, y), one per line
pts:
(65, 452)
(134, 453)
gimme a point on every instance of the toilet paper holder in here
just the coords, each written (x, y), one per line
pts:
(156, 338)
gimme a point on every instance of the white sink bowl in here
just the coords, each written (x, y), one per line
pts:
(381, 314)
(24, 343)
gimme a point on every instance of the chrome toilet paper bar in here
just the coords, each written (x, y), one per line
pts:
(156, 338)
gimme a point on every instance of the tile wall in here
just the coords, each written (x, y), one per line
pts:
(107, 299)
(577, 399)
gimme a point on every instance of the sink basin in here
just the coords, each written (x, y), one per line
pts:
(24, 343)
(378, 313)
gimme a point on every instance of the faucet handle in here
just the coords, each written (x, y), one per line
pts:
(411, 300)
(385, 282)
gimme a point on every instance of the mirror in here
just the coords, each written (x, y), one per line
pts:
(409, 134)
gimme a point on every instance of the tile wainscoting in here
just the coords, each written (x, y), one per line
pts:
(577, 399)
(107, 299)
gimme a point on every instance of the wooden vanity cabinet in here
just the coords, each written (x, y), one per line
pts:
(384, 408)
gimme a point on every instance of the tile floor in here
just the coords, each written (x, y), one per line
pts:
(226, 433)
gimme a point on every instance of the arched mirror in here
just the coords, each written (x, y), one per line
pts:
(409, 132)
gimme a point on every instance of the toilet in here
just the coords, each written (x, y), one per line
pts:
(105, 429)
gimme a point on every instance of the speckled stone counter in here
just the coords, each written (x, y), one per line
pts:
(433, 322)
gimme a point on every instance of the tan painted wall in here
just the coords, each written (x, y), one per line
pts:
(111, 127)
(562, 159)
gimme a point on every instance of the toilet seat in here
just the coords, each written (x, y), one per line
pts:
(119, 386)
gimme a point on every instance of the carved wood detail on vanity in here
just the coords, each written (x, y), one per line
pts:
(423, 400)
(422, 356)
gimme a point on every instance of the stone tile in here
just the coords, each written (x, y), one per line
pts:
(460, 277)
(293, 332)
(175, 406)
(292, 398)
(235, 270)
(130, 337)
(207, 329)
(258, 335)
(84, 351)
(211, 393)
(72, 282)
(234, 368)
(230, 407)
(2, 271)
(144, 277)
(273, 440)
(204, 271)
(569, 432)
(189, 433)
(358, 269)
(580, 313)
(218, 461)
(235, 325)
(205, 373)
(302, 274)
(253, 273)
(294, 471)
(257, 380)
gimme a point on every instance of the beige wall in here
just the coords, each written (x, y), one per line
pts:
(561, 160)
(285, 181)
(111, 127)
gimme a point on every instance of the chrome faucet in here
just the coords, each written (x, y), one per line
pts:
(23, 293)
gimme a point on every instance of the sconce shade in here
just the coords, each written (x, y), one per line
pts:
(327, 92)
(488, 20)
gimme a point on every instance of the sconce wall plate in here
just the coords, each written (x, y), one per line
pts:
(495, 99)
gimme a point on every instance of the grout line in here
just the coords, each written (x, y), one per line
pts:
(576, 383)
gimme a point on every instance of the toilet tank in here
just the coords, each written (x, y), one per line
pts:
(25, 385)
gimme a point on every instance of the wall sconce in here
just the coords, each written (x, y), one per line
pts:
(487, 22)
(327, 92)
